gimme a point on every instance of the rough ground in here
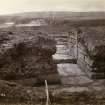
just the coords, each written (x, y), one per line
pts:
(71, 95)
(25, 61)
(77, 90)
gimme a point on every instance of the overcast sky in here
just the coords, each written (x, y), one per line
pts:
(14, 6)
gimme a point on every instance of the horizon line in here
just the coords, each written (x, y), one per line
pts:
(14, 13)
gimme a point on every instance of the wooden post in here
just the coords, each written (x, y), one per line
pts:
(77, 43)
(48, 102)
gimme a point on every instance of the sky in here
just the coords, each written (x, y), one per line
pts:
(16, 6)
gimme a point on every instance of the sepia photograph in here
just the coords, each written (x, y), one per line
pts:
(52, 52)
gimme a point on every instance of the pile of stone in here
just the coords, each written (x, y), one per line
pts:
(91, 53)
(27, 59)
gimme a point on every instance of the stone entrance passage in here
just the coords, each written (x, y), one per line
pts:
(62, 55)
(67, 68)
(70, 73)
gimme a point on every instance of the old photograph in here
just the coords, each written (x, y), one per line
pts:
(52, 52)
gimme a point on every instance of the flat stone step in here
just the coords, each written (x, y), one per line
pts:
(71, 74)
(73, 61)
(69, 69)
(62, 43)
(62, 56)
(62, 49)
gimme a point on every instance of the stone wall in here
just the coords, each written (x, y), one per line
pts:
(90, 48)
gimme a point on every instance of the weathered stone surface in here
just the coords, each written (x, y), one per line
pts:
(94, 41)
(90, 49)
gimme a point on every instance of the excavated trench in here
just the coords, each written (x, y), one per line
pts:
(69, 71)
(75, 89)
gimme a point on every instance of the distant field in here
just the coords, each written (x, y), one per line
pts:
(62, 18)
